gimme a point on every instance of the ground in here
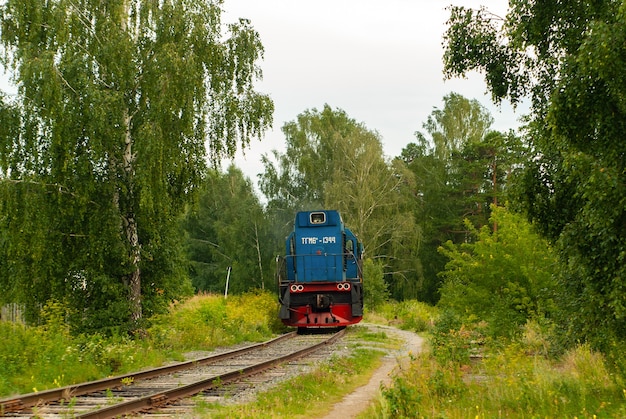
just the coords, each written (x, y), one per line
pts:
(356, 402)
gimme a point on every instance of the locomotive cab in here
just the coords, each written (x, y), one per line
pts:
(320, 277)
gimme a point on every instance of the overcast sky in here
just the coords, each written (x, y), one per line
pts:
(380, 61)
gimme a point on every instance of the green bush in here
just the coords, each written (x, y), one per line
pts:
(407, 315)
(375, 291)
(504, 276)
(454, 342)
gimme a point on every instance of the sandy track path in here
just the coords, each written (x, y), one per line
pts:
(357, 401)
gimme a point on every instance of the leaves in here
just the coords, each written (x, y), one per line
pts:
(228, 228)
(460, 167)
(503, 277)
(117, 101)
(473, 41)
(573, 55)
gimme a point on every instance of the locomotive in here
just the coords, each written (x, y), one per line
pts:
(320, 279)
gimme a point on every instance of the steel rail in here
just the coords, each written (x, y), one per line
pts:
(168, 396)
(20, 402)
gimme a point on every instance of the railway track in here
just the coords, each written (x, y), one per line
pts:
(158, 387)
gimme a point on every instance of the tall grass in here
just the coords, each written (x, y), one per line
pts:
(48, 356)
(407, 315)
(466, 374)
(208, 321)
(510, 385)
(37, 358)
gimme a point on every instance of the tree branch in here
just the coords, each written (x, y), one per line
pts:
(61, 189)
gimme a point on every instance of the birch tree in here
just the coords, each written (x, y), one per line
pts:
(118, 103)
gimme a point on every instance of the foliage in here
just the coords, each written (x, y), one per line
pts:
(208, 321)
(105, 144)
(464, 373)
(332, 161)
(568, 58)
(452, 341)
(460, 168)
(503, 277)
(459, 123)
(507, 384)
(456, 164)
(407, 315)
(375, 290)
(48, 356)
(228, 228)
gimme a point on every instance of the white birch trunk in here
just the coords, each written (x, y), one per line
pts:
(130, 227)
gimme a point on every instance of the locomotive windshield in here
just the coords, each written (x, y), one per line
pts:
(318, 218)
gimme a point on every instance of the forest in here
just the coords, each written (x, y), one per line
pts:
(114, 205)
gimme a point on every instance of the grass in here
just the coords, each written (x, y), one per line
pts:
(38, 358)
(308, 395)
(209, 321)
(512, 385)
(514, 378)
(464, 374)
(406, 315)
(48, 356)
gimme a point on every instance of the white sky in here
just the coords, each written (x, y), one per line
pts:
(380, 61)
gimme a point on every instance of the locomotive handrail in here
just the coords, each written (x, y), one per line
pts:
(318, 254)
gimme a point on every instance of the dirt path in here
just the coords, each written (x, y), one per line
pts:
(358, 401)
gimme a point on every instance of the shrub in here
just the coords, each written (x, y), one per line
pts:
(375, 291)
(407, 315)
(454, 342)
(507, 383)
(503, 277)
(423, 389)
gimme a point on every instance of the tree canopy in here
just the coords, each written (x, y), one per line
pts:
(460, 168)
(568, 60)
(107, 139)
(228, 229)
(333, 161)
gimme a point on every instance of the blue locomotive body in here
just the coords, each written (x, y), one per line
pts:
(320, 277)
